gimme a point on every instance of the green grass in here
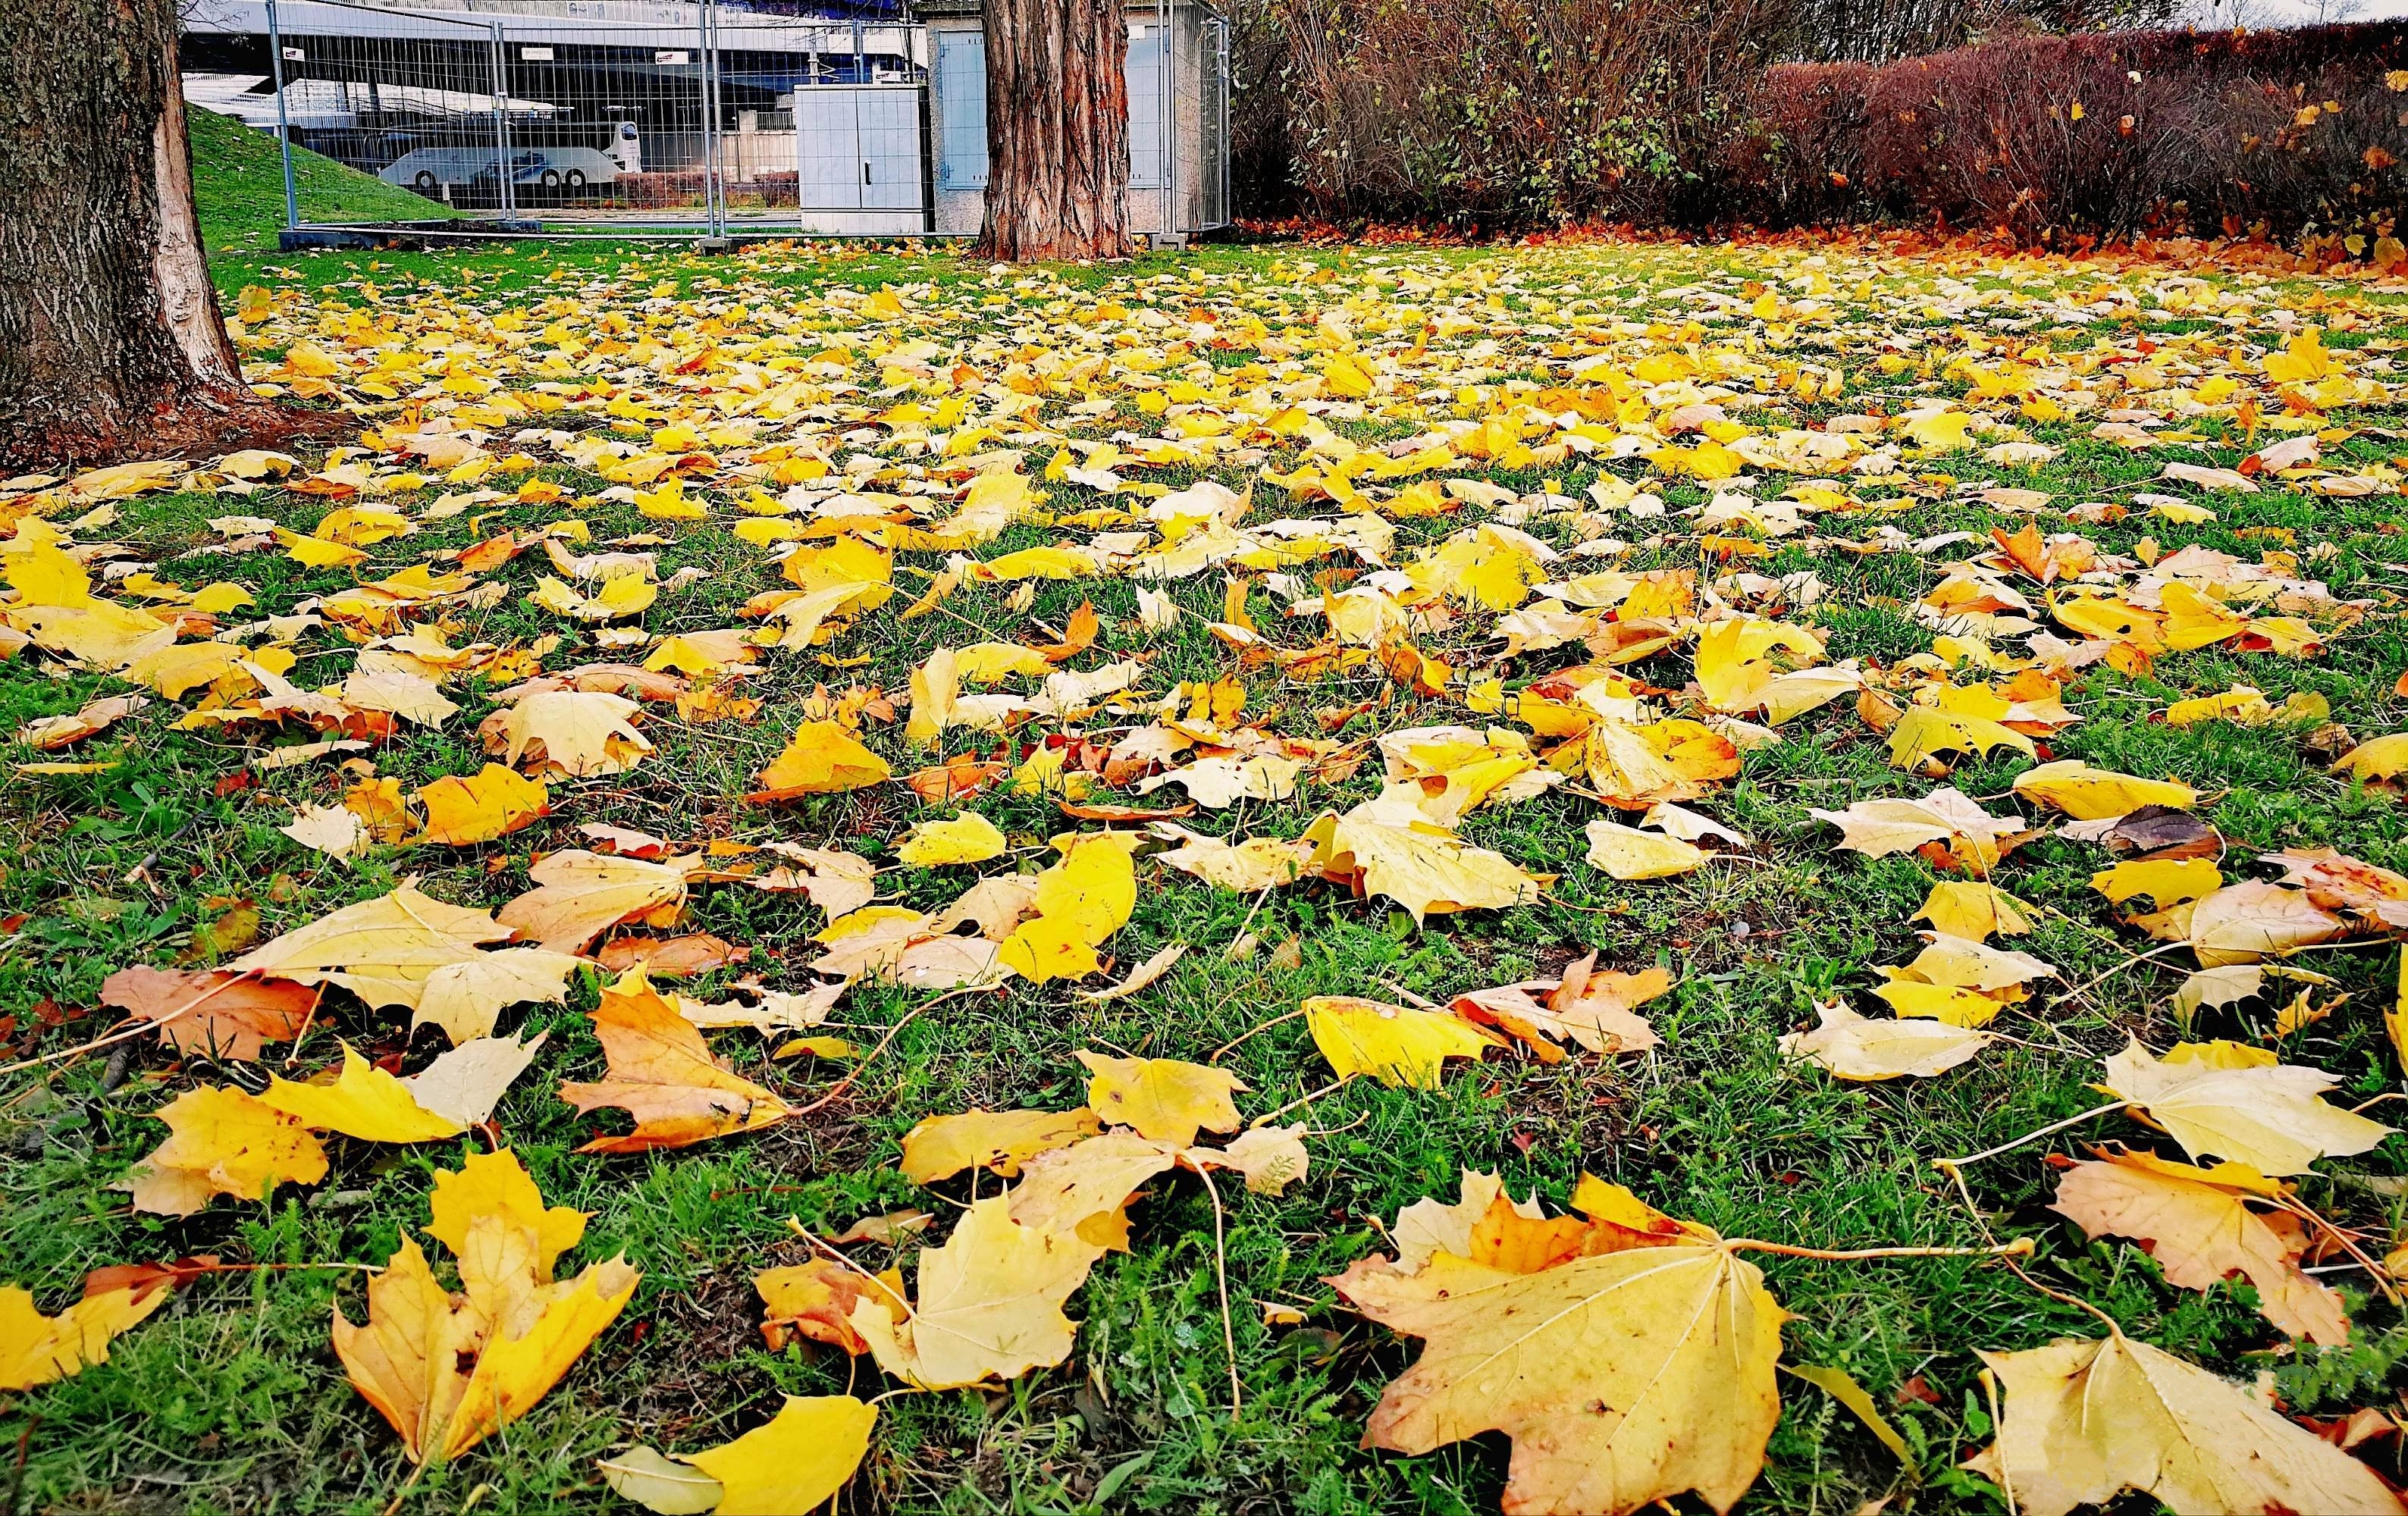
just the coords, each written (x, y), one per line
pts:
(239, 185)
(230, 1400)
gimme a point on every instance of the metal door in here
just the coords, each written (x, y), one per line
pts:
(827, 149)
(888, 135)
(857, 155)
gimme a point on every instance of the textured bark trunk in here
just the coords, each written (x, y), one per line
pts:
(1056, 130)
(110, 341)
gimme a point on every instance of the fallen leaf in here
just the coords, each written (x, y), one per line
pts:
(989, 1307)
(2196, 1225)
(966, 838)
(1855, 1047)
(363, 1102)
(662, 1073)
(336, 831)
(2087, 1420)
(823, 758)
(215, 1015)
(1001, 1141)
(805, 1454)
(467, 998)
(1397, 1045)
(660, 1483)
(1141, 977)
(1164, 1099)
(581, 733)
(1624, 1379)
(2268, 1117)
(2089, 794)
(222, 1141)
(815, 1300)
(493, 803)
(498, 1184)
(464, 1084)
(1080, 902)
(1625, 852)
(37, 1350)
(580, 894)
(447, 1371)
(382, 950)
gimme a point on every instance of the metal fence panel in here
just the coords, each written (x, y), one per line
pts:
(679, 115)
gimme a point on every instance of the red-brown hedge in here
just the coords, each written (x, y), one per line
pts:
(2108, 135)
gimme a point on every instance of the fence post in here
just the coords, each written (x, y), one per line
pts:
(502, 174)
(283, 118)
(1225, 213)
(707, 41)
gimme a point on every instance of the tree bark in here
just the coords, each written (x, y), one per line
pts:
(1056, 130)
(110, 341)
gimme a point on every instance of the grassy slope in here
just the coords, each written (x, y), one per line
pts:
(238, 182)
(231, 1400)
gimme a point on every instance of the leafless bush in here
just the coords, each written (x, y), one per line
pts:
(1503, 112)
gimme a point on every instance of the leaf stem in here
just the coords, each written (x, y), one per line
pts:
(2019, 1248)
(1952, 1165)
(139, 1027)
(2136, 958)
(1221, 1274)
(1250, 1031)
(1268, 1116)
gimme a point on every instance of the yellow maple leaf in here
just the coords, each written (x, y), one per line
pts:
(1002, 1140)
(802, 1456)
(35, 1349)
(491, 803)
(517, 1334)
(1625, 1377)
(1854, 1046)
(498, 1184)
(1164, 1099)
(966, 838)
(821, 759)
(2268, 1116)
(584, 734)
(1080, 902)
(2089, 794)
(1397, 1045)
(222, 1141)
(989, 1306)
(2087, 1420)
(364, 1102)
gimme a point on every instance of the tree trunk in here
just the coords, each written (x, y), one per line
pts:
(110, 341)
(1056, 130)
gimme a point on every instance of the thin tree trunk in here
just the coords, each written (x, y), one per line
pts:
(110, 341)
(1056, 130)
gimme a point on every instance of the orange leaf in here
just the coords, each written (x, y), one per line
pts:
(662, 1073)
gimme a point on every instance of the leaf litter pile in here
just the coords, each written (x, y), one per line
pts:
(1555, 879)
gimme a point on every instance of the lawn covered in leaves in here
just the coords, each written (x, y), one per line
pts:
(1318, 732)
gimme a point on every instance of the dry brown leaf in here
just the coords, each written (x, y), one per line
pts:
(222, 1016)
(580, 894)
(662, 1073)
(2196, 1225)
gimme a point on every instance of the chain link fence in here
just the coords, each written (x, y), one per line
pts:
(674, 116)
